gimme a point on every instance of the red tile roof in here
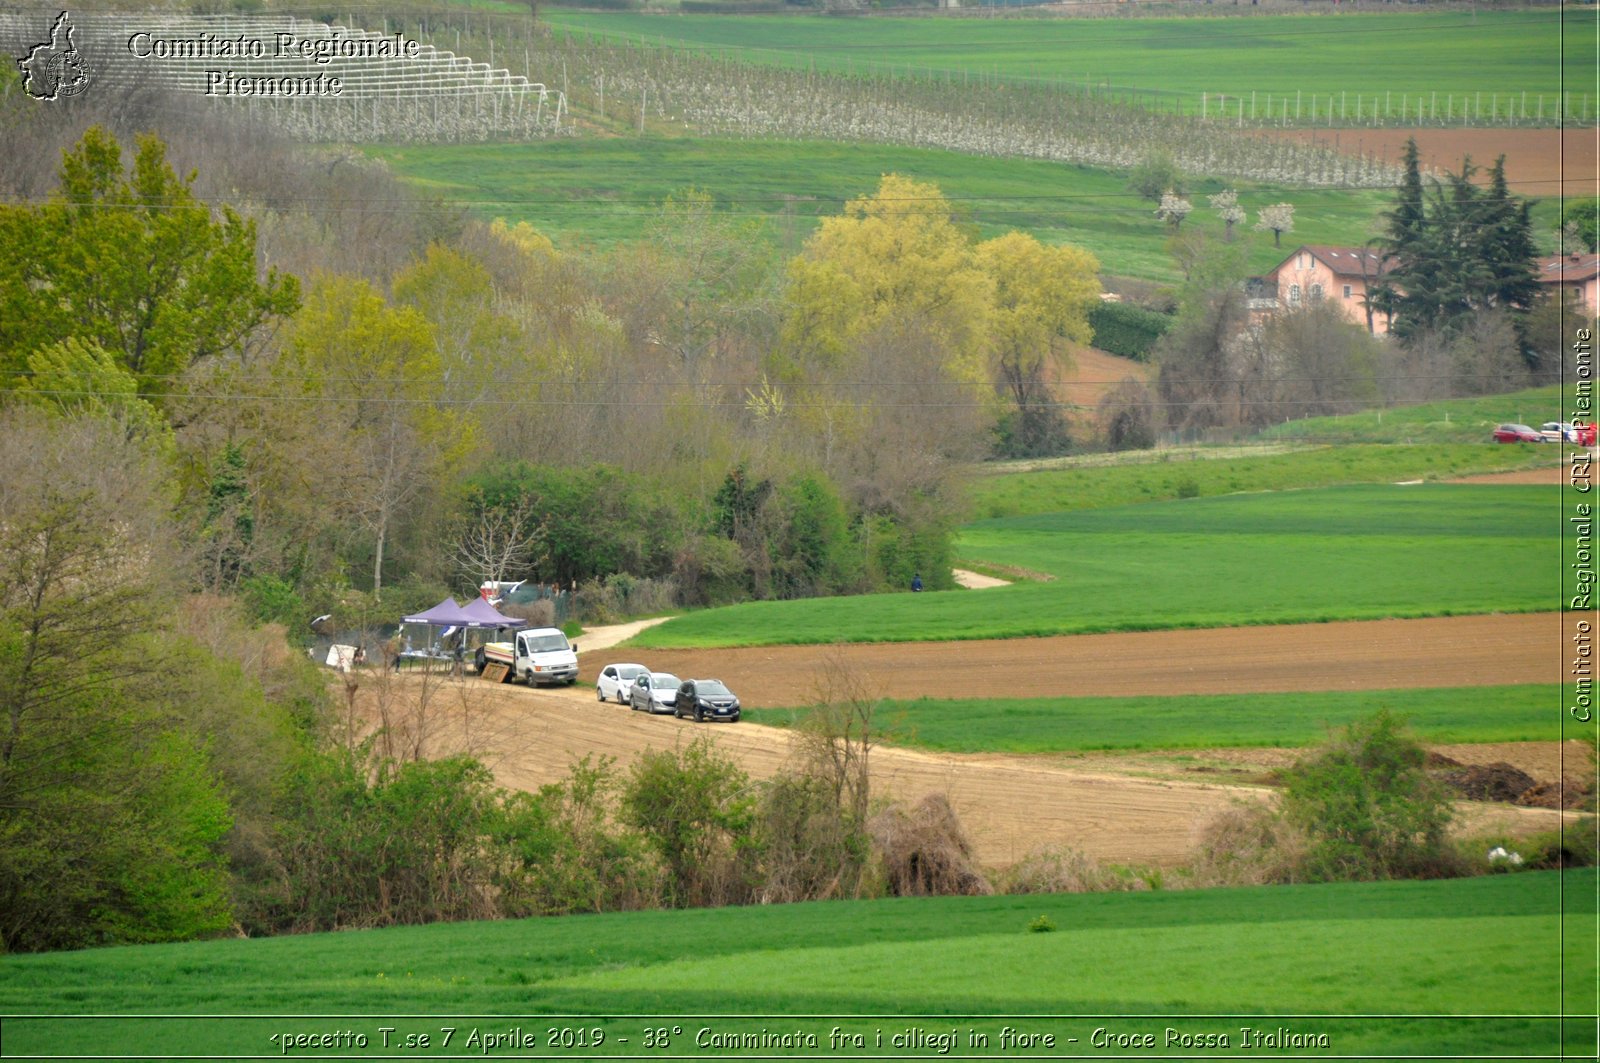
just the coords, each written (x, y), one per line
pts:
(1568, 269)
(1344, 261)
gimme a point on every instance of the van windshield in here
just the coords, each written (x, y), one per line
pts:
(545, 643)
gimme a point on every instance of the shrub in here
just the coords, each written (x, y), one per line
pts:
(925, 851)
(1367, 807)
(813, 819)
(361, 844)
(1125, 411)
(562, 851)
(1127, 330)
(1246, 845)
(1056, 869)
(538, 613)
(695, 808)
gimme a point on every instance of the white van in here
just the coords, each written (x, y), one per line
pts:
(540, 655)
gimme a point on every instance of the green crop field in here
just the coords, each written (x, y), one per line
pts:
(1419, 959)
(1341, 553)
(1459, 52)
(1161, 476)
(604, 191)
(1527, 713)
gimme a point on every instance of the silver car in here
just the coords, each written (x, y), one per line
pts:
(653, 692)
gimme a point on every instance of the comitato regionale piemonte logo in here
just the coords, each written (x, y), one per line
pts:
(55, 69)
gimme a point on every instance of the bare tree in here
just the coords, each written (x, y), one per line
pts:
(492, 541)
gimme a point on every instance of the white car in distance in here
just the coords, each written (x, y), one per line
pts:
(614, 681)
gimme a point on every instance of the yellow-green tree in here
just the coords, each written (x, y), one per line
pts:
(892, 259)
(133, 262)
(1042, 299)
(388, 431)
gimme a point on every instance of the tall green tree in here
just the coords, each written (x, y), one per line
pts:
(131, 261)
(1458, 249)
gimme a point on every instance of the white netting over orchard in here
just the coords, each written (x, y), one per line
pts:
(280, 69)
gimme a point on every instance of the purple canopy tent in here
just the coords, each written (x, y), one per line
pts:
(445, 614)
(447, 619)
(485, 615)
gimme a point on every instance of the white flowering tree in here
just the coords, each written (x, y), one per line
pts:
(1279, 218)
(1173, 209)
(1226, 204)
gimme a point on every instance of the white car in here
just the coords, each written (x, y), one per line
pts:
(1558, 432)
(614, 681)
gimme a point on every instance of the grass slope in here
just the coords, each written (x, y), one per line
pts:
(1407, 52)
(1500, 945)
(1452, 420)
(1341, 553)
(1525, 713)
(1160, 476)
(607, 191)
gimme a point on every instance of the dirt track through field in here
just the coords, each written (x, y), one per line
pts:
(1352, 655)
(1129, 812)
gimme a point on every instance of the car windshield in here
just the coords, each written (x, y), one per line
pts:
(663, 680)
(712, 688)
(545, 643)
(628, 671)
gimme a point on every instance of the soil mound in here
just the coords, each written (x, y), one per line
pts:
(1488, 782)
(1564, 796)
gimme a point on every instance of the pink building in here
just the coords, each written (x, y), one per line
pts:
(1579, 274)
(1314, 273)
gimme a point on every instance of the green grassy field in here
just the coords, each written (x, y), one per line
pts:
(1528, 713)
(1438, 952)
(1403, 52)
(1453, 420)
(604, 191)
(1159, 476)
(1341, 553)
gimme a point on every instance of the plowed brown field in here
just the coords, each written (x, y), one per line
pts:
(1539, 162)
(1137, 810)
(1354, 655)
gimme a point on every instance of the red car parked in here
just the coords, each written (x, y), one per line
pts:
(1516, 433)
